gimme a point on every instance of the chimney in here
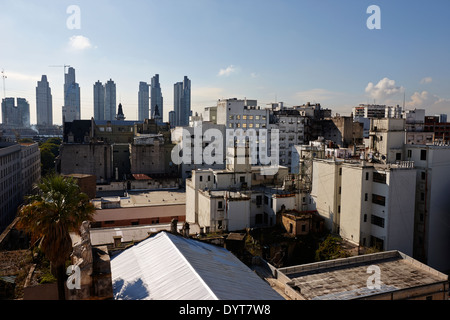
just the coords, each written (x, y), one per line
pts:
(117, 241)
(186, 230)
(173, 226)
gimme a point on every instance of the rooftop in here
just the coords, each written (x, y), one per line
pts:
(170, 267)
(346, 279)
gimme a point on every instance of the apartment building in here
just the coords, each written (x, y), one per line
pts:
(240, 196)
(198, 136)
(292, 129)
(20, 167)
(387, 137)
(432, 219)
(367, 204)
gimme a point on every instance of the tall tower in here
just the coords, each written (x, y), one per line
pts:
(110, 100)
(156, 98)
(182, 102)
(16, 116)
(72, 95)
(143, 101)
(99, 101)
(44, 107)
(120, 115)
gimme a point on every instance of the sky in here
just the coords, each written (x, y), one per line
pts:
(290, 51)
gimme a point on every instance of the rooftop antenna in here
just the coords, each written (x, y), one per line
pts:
(4, 77)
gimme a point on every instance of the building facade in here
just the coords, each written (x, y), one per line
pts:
(72, 102)
(182, 102)
(432, 221)
(15, 115)
(156, 99)
(110, 100)
(20, 168)
(44, 107)
(99, 101)
(366, 204)
(143, 101)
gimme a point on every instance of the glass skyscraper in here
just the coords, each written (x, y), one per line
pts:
(71, 96)
(182, 102)
(44, 107)
(156, 102)
(143, 101)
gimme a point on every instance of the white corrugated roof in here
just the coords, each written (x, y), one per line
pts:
(170, 267)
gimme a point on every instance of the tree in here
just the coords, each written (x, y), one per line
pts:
(331, 248)
(57, 209)
(49, 151)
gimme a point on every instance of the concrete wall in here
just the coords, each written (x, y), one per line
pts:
(324, 193)
(400, 206)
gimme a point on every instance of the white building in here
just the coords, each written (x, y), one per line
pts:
(432, 232)
(291, 126)
(387, 137)
(242, 114)
(198, 142)
(369, 205)
(239, 196)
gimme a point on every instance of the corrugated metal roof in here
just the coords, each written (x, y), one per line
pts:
(170, 267)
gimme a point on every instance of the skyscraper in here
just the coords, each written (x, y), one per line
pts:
(99, 101)
(44, 108)
(71, 95)
(156, 99)
(182, 102)
(16, 116)
(143, 101)
(110, 100)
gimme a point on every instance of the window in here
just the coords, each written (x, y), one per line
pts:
(376, 220)
(409, 153)
(303, 228)
(398, 156)
(258, 200)
(366, 196)
(423, 154)
(201, 178)
(340, 171)
(422, 175)
(220, 205)
(378, 199)
(422, 196)
(367, 176)
(209, 178)
(379, 177)
(365, 217)
(242, 179)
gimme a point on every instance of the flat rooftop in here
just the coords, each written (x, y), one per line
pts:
(346, 279)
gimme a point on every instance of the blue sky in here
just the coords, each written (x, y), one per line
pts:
(292, 51)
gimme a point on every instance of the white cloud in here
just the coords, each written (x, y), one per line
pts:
(229, 70)
(79, 43)
(253, 74)
(383, 90)
(426, 80)
(428, 101)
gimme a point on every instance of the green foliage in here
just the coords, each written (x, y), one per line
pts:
(47, 278)
(49, 151)
(331, 248)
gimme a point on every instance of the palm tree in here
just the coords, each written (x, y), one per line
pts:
(56, 209)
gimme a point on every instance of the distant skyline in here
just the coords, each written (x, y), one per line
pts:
(290, 50)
